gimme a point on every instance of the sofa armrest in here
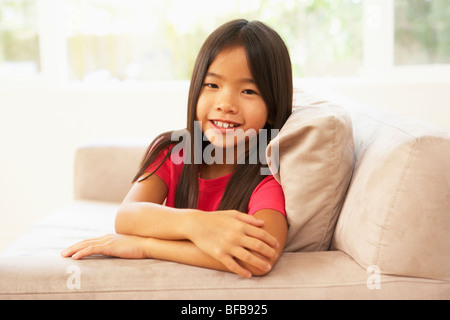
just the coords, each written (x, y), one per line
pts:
(104, 170)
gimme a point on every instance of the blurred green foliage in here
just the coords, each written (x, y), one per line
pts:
(159, 40)
(19, 41)
(324, 36)
(422, 32)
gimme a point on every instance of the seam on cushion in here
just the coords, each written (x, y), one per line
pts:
(333, 120)
(393, 203)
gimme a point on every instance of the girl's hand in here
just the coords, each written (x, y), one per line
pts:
(230, 235)
(116, 245)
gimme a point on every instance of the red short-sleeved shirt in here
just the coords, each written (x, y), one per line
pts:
(267, 195)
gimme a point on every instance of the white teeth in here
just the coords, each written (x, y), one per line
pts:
(224, 125)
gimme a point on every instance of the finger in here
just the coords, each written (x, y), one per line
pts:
(88, 251)
(234, 267)
(262, 235)
(250, 258)
(80, 245)
(70, 251)
(244, 217)
(260, 247)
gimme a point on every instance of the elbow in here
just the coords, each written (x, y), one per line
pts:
(128, 219)
(121, 222)
(118, 224)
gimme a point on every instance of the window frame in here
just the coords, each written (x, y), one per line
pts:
(379, 41)
(378, 48)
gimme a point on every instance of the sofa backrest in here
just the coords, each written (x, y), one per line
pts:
(104, 170)
(396, 215)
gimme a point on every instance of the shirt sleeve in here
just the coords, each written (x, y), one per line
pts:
(164, 171)
(267, 195)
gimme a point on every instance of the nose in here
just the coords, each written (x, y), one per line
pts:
(226, 102)
(226, 108)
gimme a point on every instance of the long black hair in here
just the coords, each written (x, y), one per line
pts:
(271, 68)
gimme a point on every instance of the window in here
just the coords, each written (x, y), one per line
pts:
(406, 40)
(103, 41)
(159, 40)
(19, 39)
(422, 32)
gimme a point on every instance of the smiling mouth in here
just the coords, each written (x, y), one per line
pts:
(224, 125)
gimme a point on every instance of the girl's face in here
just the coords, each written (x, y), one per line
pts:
(230, 104)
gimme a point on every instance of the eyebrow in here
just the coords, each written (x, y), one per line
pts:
(218, 76)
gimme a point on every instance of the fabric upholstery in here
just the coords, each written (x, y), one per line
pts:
(397, 210)
(315, 150)
(300, 275)
(104, 174)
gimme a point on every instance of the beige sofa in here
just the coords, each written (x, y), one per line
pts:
(368, 200)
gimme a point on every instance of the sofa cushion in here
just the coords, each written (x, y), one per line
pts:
(315, 153)
(300, 275)
(67, 225)
(397, 212)
(104, 170)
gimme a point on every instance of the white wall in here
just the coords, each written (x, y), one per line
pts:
(41, 128)
(427, 101)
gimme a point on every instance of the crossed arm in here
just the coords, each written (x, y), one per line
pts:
(226, 240)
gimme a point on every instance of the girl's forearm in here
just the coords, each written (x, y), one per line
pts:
(181, 251)
(153, 220)
(207, 239)
(186, 252)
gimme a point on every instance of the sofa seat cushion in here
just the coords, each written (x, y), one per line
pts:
(66, 226)
(300, 275)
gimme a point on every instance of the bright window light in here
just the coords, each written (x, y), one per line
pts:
(108, 41)
(19, 39)
(422, 32)
(159, 40)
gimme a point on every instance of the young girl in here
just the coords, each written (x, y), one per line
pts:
(222, 214)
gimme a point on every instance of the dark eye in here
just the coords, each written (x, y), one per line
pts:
(249, 91)
(211, 85)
